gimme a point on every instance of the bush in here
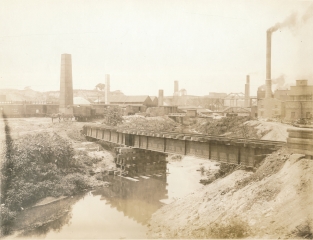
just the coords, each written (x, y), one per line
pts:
(225, 169)
(35, 167)
(7, 218)
(113, 116)
(75, 134)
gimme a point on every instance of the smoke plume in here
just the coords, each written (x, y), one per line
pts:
(308, 14)
(280, 81)
(293, 21)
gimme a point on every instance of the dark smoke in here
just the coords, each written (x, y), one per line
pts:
(292, 21)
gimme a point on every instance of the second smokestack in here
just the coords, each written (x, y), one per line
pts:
(268, 82)
(175, 86)
(160, 98)
(247, 92)
(107, 89)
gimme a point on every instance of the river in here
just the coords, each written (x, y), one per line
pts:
(123, 209)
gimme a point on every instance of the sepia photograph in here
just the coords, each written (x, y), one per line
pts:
(156, 119)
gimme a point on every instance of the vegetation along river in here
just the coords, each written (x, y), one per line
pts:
(122, 209)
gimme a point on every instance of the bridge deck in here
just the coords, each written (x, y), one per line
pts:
(225, 149)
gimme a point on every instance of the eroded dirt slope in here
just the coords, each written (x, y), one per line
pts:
(275, 201)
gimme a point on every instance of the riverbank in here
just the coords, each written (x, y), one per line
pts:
(274, 202)
(42, 163)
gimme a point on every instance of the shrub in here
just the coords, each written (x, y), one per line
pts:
(113, 116)
(7, 218)
(80, 182)
(75, 134)
(225, 169)
(34, 167)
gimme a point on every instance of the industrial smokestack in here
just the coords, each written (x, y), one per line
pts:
(247, 92)
(268, 82)
(175, 86)
(66, 85)
(107, 89)
(160, 98)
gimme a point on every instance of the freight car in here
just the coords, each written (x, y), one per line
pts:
(12, 110)
(83, 113)
(28, 109)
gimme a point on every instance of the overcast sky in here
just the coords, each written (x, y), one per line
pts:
(208, 46)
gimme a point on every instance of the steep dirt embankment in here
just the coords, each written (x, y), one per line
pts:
(274, 131)
(275, 201)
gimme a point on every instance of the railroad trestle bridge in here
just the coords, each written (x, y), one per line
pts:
(247, 152)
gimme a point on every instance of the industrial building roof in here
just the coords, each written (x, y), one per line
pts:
(129, 99)
(80, 101)
(126, 99)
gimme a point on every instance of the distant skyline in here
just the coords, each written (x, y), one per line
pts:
(208, 46)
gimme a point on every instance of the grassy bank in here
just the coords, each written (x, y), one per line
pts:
(37, 166)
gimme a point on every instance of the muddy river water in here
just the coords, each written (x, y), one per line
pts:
(123, 209)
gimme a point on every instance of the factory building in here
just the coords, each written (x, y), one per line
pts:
(154, 100)
(235, 100)
(300, 102)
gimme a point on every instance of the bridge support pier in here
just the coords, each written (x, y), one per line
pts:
(136, 162)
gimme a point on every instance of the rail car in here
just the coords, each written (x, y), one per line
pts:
(27, 110)
(17, 110)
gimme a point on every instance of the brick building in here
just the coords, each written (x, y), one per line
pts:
(300, 101)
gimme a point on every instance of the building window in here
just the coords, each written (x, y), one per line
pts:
(261, 114)
(308, 115)
(293, 114)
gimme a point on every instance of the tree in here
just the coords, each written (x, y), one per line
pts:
(113, 116)
(100, 86)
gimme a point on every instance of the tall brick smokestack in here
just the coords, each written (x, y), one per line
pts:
(160, 98)
(107, 89)
(66, 85)
(247, 92)
(268, 82)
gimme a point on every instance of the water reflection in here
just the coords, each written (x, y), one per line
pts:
(138, 200)
(122, 209)
(59, 213)
(55, 225)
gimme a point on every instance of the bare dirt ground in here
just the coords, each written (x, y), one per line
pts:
(267, 204)
(274, 131)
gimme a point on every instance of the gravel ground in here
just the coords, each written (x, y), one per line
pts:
(271, 204)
